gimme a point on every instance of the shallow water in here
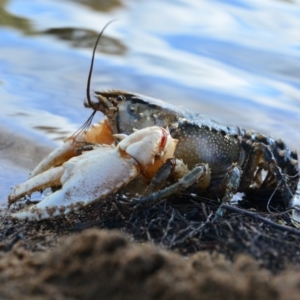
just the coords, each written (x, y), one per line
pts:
(236, 61)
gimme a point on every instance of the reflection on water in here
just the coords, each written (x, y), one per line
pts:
(103, 5)
(58, 132)
(10, 20)
(236, 61)
(83, 38)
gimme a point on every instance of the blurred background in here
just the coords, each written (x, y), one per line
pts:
(237, 61)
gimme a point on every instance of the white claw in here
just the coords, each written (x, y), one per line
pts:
(59, 155)
(48, 178)
(99, 133)
(84, 180)
(95, 174)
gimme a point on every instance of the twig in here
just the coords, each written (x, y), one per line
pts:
(260, 218)
(168, 226)
(204, 210)
(194, 231)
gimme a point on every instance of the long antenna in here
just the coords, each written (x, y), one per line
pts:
(90, 119)
(92, 64)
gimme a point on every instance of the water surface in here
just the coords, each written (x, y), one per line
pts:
(236, 61)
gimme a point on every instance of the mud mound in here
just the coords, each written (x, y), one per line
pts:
(98, 264)
(240, 255)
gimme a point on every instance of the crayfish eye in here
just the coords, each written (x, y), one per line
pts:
(120, 98)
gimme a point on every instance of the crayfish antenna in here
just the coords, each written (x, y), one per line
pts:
(88, 122)
(92, 64)
(86, 125)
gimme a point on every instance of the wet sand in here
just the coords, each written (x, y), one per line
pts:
(18, 155)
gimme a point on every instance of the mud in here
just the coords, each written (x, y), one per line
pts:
(101, 264)
(167, 251)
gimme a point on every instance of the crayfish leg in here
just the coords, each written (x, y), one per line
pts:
(159, 179)
(173, 169)
(262, 157)
(198, 174)
(229, 185)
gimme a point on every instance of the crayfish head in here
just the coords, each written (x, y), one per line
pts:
(103, 104)
(126, 110)
(150, 147)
